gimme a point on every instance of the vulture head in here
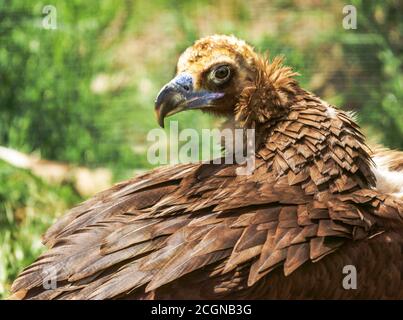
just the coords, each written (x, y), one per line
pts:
(225, 76)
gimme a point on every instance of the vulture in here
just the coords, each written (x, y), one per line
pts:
(320, 215)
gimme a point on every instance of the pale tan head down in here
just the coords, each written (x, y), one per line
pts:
(210, 50)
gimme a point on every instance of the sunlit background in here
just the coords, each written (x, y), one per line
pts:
(76, 102)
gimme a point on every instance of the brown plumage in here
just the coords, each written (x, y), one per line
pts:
(310, 207)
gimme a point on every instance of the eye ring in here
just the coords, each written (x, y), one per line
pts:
(221, 74)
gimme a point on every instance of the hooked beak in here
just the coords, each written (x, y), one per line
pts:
(178, 95)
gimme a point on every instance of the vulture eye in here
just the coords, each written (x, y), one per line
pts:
(221, 74)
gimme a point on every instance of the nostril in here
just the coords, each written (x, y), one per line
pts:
(184, 81)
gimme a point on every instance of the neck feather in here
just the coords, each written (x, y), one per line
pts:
(269, 96)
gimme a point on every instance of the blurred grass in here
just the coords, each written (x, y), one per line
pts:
(84, 93)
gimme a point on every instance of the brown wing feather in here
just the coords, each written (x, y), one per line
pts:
(310, 195)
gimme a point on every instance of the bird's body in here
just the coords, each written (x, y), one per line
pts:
(310, 207)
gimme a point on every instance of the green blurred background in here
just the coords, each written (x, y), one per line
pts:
(81, 96)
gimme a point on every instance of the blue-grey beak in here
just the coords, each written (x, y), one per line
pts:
(178, 95)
